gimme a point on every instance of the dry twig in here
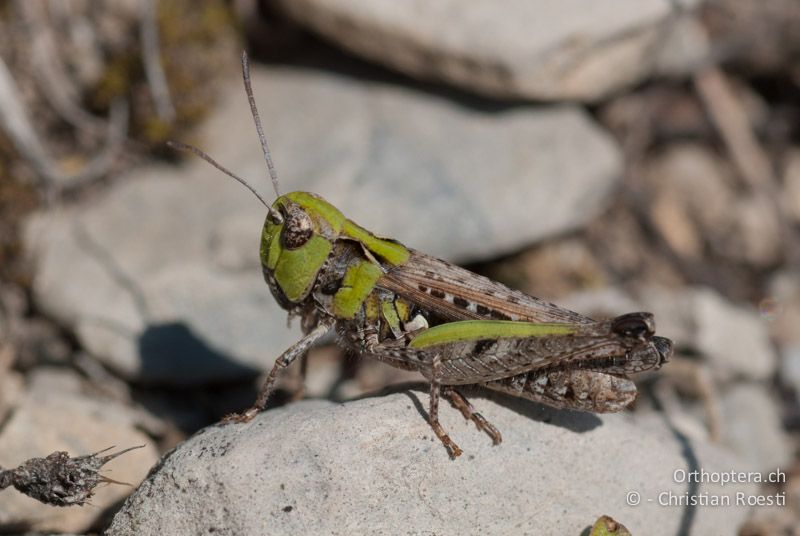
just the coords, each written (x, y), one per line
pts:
(47, 66)
(730, 118)
(17, 125)
(159, 89)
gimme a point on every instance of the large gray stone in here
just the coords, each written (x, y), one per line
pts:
(734, 340)
(373, 467)
(160, 277)
(791, 185)
(753, 429)
(790, 367)
(538, 49)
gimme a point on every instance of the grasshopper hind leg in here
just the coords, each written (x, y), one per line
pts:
(459, 402)
(433, 415)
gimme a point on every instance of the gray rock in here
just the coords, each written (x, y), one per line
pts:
(696, 208)
(11, 385)
(791, 185)
(733, 339)
(372, 466)
(160, 277)
(538, 49)
(54, 414)
(781, 307)
(752, 428)
(790, 367)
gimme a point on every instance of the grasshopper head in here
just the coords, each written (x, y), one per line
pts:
(295, 245)
(300, 229)
(642, 327)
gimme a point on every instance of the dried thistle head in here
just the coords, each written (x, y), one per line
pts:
(59, 480)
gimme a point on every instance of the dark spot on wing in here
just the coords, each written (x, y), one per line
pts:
(436, 293)
(497, 315)
(482, 346)
(460, 302)
(483, 310)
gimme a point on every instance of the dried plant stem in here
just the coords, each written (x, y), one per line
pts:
(15, 122)
(159, 89)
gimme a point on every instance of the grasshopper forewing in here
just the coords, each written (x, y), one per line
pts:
(417, 312)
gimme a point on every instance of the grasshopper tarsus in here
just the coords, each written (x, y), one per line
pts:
(453, 450)
(240, 418)
(487, 427)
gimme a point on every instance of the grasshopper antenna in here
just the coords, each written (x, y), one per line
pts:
(276, 216)
(249, 89)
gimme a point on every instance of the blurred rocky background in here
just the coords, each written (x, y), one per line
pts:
(610, 156)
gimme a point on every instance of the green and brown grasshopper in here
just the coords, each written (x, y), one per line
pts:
(416, 312)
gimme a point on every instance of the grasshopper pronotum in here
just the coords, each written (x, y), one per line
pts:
(417, 312)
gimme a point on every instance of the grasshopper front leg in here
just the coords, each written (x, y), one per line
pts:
(298, 349)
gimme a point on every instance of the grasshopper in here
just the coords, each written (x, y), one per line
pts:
(416, 312)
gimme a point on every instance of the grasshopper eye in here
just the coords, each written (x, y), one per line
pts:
(297, 229)
(634, 325)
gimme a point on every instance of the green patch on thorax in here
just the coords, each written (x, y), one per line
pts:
(389, 313)
(357, 283)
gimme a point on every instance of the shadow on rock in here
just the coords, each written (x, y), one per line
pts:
(173, 353)
(689, 511)
(575, 421)
(187, 381)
